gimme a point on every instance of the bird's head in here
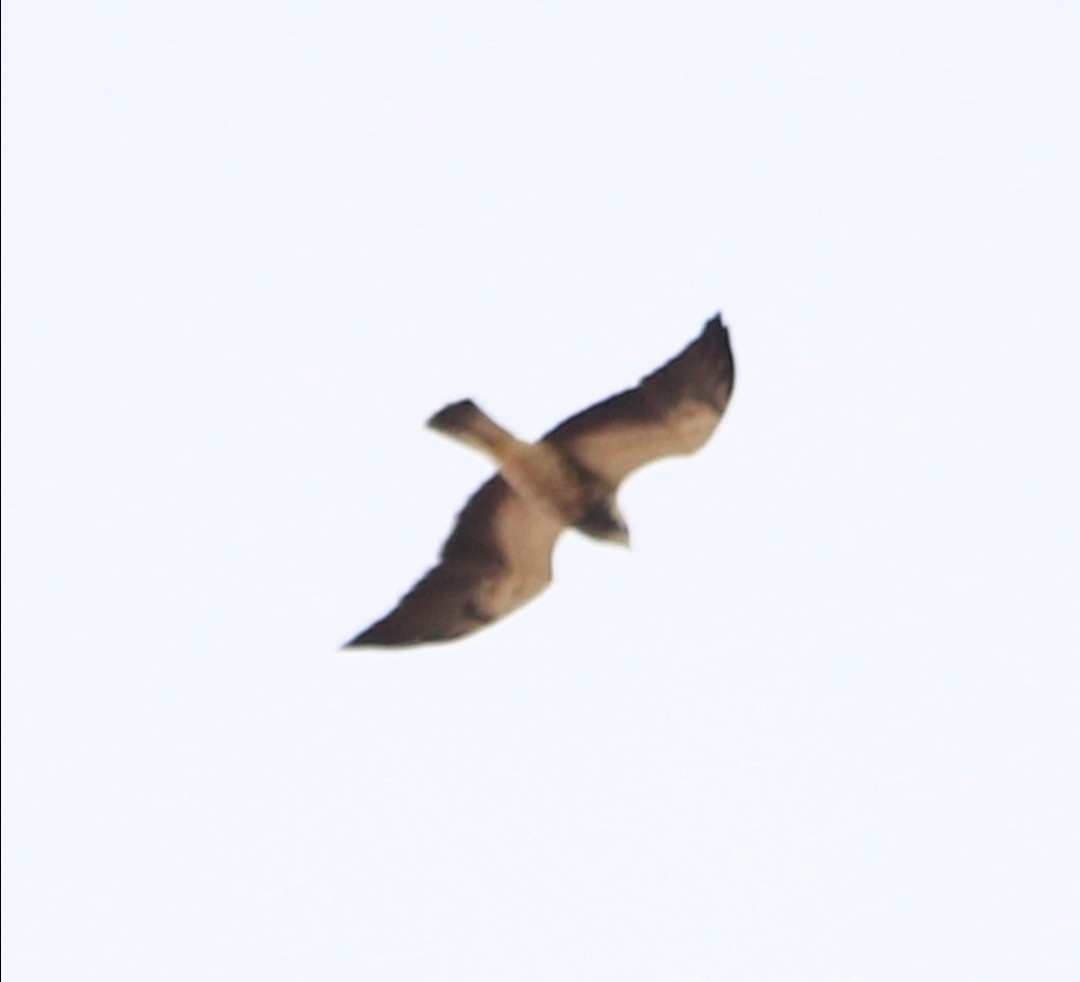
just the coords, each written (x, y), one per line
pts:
(604, 521)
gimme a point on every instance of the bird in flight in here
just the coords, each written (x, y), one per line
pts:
(498, 555)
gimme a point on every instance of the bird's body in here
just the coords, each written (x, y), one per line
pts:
(499, 553)
(540, 472)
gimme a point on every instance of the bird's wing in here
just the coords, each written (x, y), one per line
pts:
(672, 411)
(497, 557)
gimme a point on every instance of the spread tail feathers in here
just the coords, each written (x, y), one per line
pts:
(467, 422)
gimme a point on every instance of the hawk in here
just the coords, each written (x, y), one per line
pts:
(498, 555)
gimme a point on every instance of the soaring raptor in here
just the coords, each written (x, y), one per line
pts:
(499, 554)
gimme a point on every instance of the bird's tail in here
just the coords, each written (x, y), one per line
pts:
(467, 422)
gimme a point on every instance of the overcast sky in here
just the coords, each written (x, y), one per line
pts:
(820, 723)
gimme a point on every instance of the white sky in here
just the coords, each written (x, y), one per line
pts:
(821, 722)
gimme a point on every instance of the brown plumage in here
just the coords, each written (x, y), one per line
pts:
(499, 553)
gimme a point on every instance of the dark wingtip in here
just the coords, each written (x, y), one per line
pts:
(392, 632)
(716, 339)
(373, 637)
(716, 332)
(715, 324)
(360, 641)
